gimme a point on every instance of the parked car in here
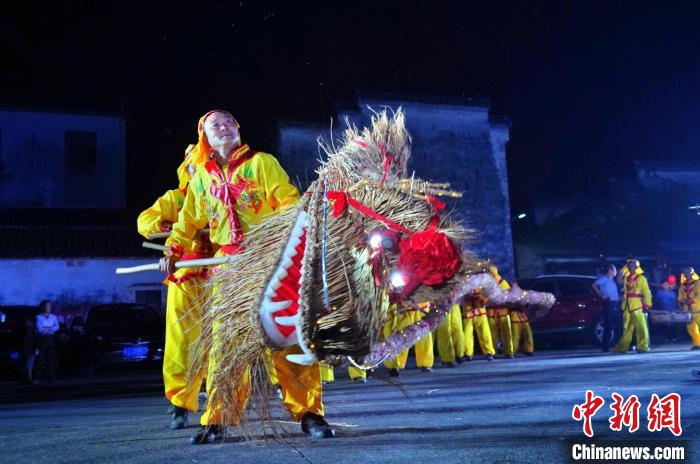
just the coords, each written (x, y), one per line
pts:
(577, 317)
(118, 334)
(12, 330)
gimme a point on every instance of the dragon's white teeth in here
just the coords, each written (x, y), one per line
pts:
(287, 320)
(289, 252)
(274, 306)
(281, 274)
(286, 262)
(275, 283)
(272, 288)
(294, 242)
(303, 359)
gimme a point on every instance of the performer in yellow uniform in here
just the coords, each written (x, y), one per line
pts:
(689, 300)
(476, 321)
(185, 290)
(399, 319)
(357, 375)
(637, 298)
(235, 189)
(450, 338)
(327, 374)
(499, 320)
(522, 332)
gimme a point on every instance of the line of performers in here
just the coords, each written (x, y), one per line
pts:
(493, 327)
(636, 299)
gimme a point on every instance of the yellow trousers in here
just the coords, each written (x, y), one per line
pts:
(423, 349)
(635, 324)
(450, 336)
(270, 364)
(478, 324)
(182, 329)
(520, 327)
(326, 372)
(694, 329)
(356, 373)
(300, 385)
(499, 323)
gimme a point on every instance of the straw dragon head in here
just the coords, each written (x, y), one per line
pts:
(323, 273)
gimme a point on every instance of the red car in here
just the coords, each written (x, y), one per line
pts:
(576, 316)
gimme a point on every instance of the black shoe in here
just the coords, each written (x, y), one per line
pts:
(510, 356)
(528, 353)
(426, 369)
(489, 357)
(642, 351)
(449, 364)
(359, 380)
(179, 419)
(316, 426)
(394, 373)
(696, 347)
(208, 434)
(468, 358)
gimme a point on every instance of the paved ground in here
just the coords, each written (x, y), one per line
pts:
(507, 411)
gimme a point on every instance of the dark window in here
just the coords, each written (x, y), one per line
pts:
(123, 320)
(548, 286)
(81, 151)
(575, 287)
(149, 297)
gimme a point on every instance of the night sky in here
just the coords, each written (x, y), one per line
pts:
(589, 86)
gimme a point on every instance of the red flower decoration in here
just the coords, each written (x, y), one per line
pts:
(429, 258)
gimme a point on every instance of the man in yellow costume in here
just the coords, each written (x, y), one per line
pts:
(476, 321)
(182, 325)
(521, 330)
(450, 338)
(499, 320)
(397, 320)
(689, 300)
(636, 299)
(235, 189)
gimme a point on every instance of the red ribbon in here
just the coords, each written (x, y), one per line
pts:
(227, 192)
(437, 204)
(341, 201)
(204, 274)
(388, 159)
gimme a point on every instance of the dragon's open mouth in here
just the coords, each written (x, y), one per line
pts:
(279, 309)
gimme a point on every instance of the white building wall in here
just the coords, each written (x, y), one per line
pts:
(73, 282)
